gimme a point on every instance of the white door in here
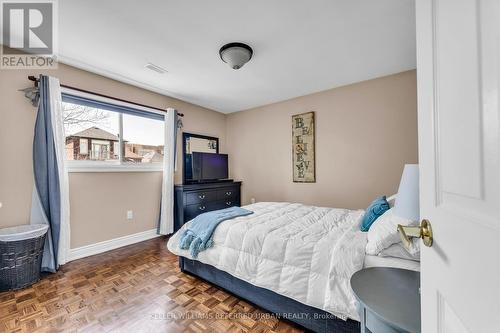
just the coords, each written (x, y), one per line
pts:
(458, 68)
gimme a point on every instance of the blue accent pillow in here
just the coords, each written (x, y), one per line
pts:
(378, 207)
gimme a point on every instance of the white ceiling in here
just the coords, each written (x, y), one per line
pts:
(300, 47)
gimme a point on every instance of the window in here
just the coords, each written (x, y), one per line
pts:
(108, 135)
(84, 148)
(116, 149)
(143, 146)
(100, 150)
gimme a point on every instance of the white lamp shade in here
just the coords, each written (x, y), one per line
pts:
(236, 57)
(407, 203)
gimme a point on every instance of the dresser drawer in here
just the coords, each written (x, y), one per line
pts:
(227, 203)
(224, 204)
(191, 211)
(200, 197)
(227, 193)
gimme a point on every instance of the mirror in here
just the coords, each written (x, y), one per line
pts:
(201, 145)
(196, 143)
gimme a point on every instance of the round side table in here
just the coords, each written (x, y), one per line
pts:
(389, 299)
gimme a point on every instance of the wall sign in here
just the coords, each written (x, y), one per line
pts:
(304, 168)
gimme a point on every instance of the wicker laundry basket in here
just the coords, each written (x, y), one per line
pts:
(21, 250)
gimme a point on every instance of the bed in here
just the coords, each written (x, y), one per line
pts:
(377, 261)
(291, 259)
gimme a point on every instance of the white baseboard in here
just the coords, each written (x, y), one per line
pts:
(107, 245)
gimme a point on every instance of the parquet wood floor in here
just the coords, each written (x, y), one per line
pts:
(138, 288)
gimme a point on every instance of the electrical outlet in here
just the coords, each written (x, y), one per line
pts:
(130, 214)
(252, 200)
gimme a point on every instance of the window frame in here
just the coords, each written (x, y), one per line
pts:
(118, 165)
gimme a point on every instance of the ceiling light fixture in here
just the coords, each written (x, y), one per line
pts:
(236, 54)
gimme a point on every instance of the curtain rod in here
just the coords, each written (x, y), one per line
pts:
(35, 80)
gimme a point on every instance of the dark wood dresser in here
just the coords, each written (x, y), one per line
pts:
(194, 199)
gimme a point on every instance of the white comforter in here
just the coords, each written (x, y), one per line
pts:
(303, 252)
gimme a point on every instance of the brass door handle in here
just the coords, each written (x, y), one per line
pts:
(423, 231)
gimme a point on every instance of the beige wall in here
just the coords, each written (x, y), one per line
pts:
(98, 200)
(365, 133)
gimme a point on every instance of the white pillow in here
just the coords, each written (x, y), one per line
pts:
(384, 232)
(399, 251)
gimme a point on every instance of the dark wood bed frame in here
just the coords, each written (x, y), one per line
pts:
(306, 316)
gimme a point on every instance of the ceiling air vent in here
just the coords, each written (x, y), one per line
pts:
(155, 68)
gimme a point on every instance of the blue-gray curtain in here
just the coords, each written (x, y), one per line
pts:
(47, 192)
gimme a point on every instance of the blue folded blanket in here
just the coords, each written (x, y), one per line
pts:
(198, 236)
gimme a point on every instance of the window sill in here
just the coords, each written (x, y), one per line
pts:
(112, 167)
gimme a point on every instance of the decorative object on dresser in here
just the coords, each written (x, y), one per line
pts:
(193, 199)
(303, 151)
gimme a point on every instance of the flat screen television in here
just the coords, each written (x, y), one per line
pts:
(209, 167)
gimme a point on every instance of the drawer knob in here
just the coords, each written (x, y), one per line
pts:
(201, 208)
(228, 193)
(201, 196)
(228, 203)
